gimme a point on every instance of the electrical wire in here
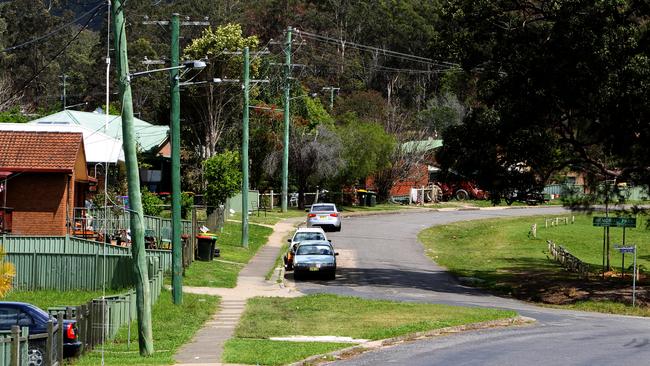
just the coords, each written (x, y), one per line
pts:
(53, 32)
(375, 50)
(37, 74)
(107, 164)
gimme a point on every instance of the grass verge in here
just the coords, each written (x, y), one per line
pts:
(608, 307)
(274, 216)
(267, 352)
(278, 261)
(50, 298)
(172, 327)
(221, 273)
(499, 255)
(324, 314)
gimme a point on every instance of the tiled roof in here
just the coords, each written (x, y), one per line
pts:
(39, 151)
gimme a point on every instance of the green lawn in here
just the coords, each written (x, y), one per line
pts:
(223, 274)
(324, 314)
(50, 298)
(274, 216)
(502, 257)
(172, 327)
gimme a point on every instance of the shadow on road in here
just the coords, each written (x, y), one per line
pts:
(391, 278)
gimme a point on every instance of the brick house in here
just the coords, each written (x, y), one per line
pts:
(43, 177)
(422, 152)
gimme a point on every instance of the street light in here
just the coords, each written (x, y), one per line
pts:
(175, 111)
(189, 65)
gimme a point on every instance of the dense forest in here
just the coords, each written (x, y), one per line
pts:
(520, 91)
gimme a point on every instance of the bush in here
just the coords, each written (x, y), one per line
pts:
(223, 176)
(152, 205)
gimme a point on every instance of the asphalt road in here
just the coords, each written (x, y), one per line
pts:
(381, 258)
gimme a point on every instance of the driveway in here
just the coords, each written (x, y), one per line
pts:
(381, 258)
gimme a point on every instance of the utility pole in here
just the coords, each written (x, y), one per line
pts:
(332, 90)
(287, 96)
(63, 96)
(142, 290)
(175, 118)
(244, 153)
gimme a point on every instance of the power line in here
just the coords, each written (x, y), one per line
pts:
(55, 31)
(26, 84)
(376, 50)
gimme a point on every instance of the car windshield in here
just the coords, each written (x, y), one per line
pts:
(323, 208)
(308, 236)
(314, 250)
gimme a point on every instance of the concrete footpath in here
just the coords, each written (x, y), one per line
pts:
(206, 347)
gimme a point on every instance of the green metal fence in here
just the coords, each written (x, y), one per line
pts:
(66, 263)
(13, 347)
(100, 319)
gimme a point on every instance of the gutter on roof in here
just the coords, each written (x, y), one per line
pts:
(36, 170)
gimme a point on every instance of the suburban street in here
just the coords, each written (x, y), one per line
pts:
(381, 258)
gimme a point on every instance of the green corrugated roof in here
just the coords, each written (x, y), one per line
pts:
(421, 145)
(148, 136)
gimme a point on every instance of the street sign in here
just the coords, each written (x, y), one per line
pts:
(614, 221)
(625, 249)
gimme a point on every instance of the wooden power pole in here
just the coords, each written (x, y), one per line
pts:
(143, 295)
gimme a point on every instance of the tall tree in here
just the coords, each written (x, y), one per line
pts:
(216, 106)
(561, 84)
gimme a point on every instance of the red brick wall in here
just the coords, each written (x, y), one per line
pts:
(39, 202)
(419, 176)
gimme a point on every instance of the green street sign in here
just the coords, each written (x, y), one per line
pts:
(615, 221)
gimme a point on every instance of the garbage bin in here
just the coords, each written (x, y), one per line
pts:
(205, 247)
(371, 199)
(362, 195)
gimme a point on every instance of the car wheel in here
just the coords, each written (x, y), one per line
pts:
(297, 276)
(331, 275)
(36, 354)
(462, 195)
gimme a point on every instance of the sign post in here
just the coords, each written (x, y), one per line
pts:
(634, 278)
(632, 249)
(607, 222)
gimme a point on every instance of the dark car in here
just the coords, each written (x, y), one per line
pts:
(34, 318)
(532, 198)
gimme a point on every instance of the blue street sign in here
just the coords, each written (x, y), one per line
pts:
(625, 249)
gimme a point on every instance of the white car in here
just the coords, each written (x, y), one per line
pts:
(324, 215)
(302, 234)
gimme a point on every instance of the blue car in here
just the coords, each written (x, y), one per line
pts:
(34, 318)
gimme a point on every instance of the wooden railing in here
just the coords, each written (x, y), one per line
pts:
(568, 260)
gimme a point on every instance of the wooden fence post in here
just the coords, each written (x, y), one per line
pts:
(80, 332)
(49, 342)
(15, 345)
(59, 337)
